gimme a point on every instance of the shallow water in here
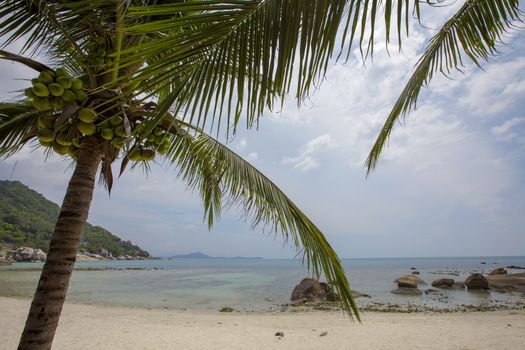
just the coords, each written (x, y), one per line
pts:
(253, 284)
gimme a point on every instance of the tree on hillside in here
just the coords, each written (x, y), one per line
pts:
(138, 80)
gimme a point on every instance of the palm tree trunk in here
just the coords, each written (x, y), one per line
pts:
(49, 297)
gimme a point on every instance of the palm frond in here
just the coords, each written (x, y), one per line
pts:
(17, 125)
(224, 179)
(474, 31)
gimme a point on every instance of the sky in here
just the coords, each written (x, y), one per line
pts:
(450, 183)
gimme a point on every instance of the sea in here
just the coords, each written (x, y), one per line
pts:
(256, 285)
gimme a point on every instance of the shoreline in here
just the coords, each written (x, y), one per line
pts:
(95, 327)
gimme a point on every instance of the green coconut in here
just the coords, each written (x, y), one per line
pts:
(87, 115)
(45, 135)
(158, 131)
(80, 95)
(63, 139)
(57, 102)
(29, 93)
(77, 84)
(118, 142)
(34, 81)
(40, 90)
(120, 131)
(159, 140)
(56, 89)
(86, 128)
(115, 120)
(134, 155)
(46, 122)
(107, 134)
(45, 143)
(61, 72)
(147, 154)
(65, 82)
(151, 138)
(163, 149)
(61, 149)
(69, 96)
(45, 77)
(42, 103)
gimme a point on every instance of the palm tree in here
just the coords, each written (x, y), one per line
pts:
(143, 79)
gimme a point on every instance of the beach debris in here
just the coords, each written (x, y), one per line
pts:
(279, 334)
(226, 309)
(415, 272)
(322, 334)
(498, 271)
(476, 281)
(443, 283)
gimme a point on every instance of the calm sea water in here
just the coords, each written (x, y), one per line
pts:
(253, 284)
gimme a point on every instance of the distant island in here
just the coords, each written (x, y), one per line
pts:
(27, 220)
(199, 255)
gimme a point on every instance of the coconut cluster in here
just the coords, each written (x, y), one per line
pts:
(157, 141)
(53, 89)
(97, 54)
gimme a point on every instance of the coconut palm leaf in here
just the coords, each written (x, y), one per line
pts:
(224, 179)
(17, 125)
(474, 31)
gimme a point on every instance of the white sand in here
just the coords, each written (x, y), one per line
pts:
(97, 327)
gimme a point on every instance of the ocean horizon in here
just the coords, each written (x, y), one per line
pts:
(257, 284)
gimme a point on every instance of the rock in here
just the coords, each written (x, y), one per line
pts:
(483, 262)
(83, 257)
(516, 267)
(406, 291)
(104, 252)
(310, 289)
(443, 283)
(498, 271)
(409, 280)
(279, 334)
(322, 334)
(120, 257)
(432, 291)
(226, 309)
(513, 282)
(332, 296)
(476, 281)
(38, 254)
(415, 272)
(357, 294)
(458, 285)
(29, 254)
(413, 268)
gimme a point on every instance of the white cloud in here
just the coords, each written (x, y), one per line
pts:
(252, 157)
(504, 130)
(306, 160)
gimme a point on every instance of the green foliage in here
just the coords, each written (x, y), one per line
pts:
(28, 219)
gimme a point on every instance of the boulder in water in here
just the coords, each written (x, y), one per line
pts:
(498, 271)
(513, 282)
(308, 289)
(443, 283)
(406, 291)
(476, 281)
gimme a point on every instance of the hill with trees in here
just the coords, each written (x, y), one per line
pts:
(27, 219)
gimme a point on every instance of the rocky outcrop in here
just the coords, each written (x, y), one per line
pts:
(498, 271)
(443, 283)
(308, 289)
(407, 285)
(476, 281)
(409, 281)
(28, 254)
(513, 282)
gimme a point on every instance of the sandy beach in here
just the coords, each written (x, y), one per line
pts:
(101, 327)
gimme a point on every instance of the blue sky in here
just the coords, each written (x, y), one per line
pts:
(451, 182)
